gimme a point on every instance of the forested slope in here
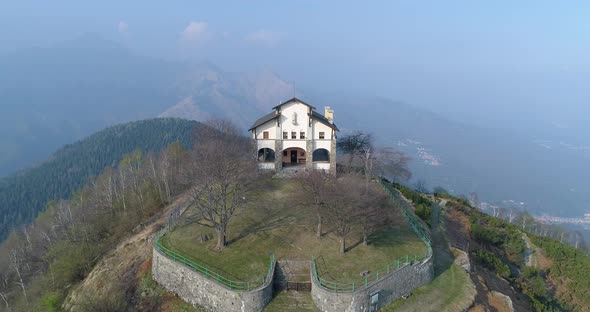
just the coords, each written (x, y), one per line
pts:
(25, 194)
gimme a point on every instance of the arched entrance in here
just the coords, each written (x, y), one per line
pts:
(321, 155)
(266, 155)
(293, 156)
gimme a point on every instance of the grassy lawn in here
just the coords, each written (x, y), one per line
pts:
(274, 221)
(450, 291)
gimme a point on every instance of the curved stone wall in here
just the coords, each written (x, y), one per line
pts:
(388, 288)
(196, 289)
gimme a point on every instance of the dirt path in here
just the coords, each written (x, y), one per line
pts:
(529, 252)
(117, 270)
(533, 255)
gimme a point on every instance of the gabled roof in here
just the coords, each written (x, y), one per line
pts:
(293, 100)
(264, 119)
(319, 117)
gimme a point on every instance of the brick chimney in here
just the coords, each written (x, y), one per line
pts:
(329, 114)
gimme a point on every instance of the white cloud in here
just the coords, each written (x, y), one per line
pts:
(123, 27)
(195, 32)
(265, 37)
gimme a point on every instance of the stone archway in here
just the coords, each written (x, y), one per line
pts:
(294, 156)
(266, 155)
(321, 155)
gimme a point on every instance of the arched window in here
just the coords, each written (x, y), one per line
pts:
(321, 154)
(266, 155)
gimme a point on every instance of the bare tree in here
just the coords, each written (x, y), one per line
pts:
(473, 200)
(512, 214)
(104, 191)
(420, 186)
(313, 185)
(340, 208)
(371, 211)
(223, 166)
(393, 164)
(3, 290)
(525, 219)
(347, 206)
(16, 264)
(496, 211)
(355, 145)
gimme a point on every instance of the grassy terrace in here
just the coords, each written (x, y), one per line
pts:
(275, 221)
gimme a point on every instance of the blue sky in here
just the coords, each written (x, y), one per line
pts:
(499, 63)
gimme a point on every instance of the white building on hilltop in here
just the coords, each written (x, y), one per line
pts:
(295, 135)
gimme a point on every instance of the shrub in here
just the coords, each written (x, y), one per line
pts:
(50, 302)
(493, 263)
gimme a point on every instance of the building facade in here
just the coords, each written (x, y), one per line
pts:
(295, 135)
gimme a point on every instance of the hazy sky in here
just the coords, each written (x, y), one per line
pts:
(502, 63)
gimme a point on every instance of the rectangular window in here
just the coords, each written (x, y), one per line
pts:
(293, 135)
(285, 151)
(322, 135)
(265, 135)
(302, 135)
(285, 135)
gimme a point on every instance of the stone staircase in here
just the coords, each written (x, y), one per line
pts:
(290, 272)
(291, 301)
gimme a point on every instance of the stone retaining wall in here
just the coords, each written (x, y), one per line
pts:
(196, 289)
(389, 288)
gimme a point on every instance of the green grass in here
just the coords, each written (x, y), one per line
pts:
(450, 291)
(274, 222)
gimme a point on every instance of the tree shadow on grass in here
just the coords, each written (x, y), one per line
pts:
(388, 237)
(270, 223)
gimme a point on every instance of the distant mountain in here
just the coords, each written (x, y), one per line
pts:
(56, 95)
(209, 92)
(24, 194)
(53, 96)
(496, 164)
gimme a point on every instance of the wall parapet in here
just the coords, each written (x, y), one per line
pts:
(196, 287)
(400, 277)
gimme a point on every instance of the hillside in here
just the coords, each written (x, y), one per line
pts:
(100, 255)
(534, 272)
(25, 194)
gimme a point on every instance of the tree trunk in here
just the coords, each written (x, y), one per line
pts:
(5, 301)
(221, 239)
(342, 245)
(365, 238)
(319, 230)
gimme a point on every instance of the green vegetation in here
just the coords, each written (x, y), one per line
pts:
(212, 273)
(569, 272)
(25, 194)
(491, 262)
(275, 222)
(422, 205)
(501, 251)
(495, 232)
(534, 286)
